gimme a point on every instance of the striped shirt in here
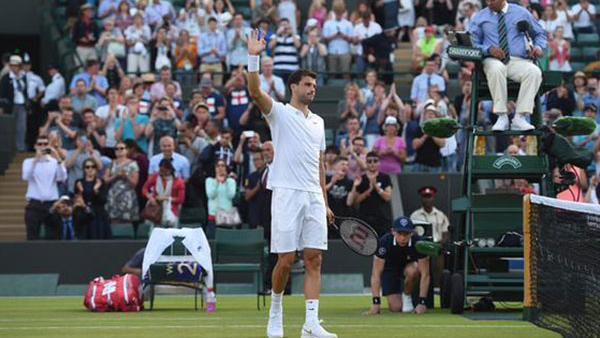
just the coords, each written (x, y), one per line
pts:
(285, 54)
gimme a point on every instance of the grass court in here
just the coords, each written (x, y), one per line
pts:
(237, 317)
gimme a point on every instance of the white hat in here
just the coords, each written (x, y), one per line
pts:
(390, 120)
(310, 23)
(15, 60)
(430, 106)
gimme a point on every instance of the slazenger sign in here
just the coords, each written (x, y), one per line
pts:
(507, 161)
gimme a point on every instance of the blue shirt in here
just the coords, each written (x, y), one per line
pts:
(420, 86)
(180, 163)
(101, 81)
(589, 99)
(484, 30)
(208, 41)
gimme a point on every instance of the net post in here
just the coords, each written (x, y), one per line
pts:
(528, 301)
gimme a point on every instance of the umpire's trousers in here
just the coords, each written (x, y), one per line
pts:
(519, 70)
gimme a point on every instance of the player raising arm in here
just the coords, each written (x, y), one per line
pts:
(397, 267)
(299, 212)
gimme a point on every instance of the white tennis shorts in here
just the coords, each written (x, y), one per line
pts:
(298, 220)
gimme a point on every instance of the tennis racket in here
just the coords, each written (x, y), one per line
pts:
(357, 235)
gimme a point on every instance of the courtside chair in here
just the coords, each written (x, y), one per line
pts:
(241, 251)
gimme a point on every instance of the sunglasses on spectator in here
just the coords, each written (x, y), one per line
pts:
(120, 148)
(372, 160)
(90, 167)
(42, 143)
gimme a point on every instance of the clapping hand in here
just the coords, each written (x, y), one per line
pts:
(97, 185)
(357, 181)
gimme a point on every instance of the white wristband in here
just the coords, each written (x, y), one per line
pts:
(253, 63)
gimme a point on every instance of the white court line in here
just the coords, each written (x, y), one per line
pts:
(109, 319)
(22, 328)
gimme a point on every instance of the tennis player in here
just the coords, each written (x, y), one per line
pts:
(297, 178)
(397, 268)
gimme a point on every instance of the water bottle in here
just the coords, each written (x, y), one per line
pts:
(211, 301)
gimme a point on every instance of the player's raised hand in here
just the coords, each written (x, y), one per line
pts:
(256, 42)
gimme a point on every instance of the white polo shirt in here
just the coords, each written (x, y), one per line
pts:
(439, 221)
(298, 142)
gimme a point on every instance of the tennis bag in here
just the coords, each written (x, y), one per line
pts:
(121, 294)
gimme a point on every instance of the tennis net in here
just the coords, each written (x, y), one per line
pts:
(562, 265)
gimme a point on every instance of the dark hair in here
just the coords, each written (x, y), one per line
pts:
(283, 19)
(87, 110)
(212, 18)
(372, 154)
(332, 149)
(263, 20)
(379, 83)
(339, 159)
(112, 88)
(89, 160)
(358, 138)
(298, 75)
(167, 163)
(132, 144)
(226, 131)
(139, 84)
(163, 68)
(91, 62)
(366, 14)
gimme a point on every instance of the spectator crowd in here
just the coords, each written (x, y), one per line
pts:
(159, 113)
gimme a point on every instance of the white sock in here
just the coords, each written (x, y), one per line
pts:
(312, 311)
(276, 302)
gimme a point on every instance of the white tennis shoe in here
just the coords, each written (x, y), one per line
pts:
(275, 326)
(407, 304)
(316, 331)
(519, 122)
(502, 123)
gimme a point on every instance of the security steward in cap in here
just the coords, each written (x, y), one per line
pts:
(439, 227)
(397, 268)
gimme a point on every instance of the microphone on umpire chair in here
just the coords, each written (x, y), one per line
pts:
(523, 27)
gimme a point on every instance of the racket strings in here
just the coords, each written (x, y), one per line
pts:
(359, 237)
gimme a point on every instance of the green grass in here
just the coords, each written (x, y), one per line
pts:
(237, 317)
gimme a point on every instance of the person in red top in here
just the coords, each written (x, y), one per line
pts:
(167, 189)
